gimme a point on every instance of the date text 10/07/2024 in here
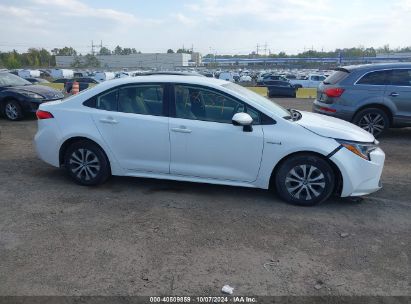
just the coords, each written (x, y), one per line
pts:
(205, 299)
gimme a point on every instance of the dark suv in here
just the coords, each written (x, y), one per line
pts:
(373, 96)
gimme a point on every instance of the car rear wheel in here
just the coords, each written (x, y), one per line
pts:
(372, 120)
(305, 180)
(86, 163)
(12, 110)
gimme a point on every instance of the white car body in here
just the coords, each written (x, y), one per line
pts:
(313, 81)
(61, 73)
(103, 76)
(227, 76)
(204, 151)
(29, 73)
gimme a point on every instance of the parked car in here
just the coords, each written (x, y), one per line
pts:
(19, 96)
(61, 80)
(37, 80)
(84, 83)
(200, 129)
(62, 73)
(227, 76)
(269, 78)
(374, 97)
(311, 81)
(277, 88)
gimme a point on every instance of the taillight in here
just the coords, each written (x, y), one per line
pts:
(334, 92)
(43, 114)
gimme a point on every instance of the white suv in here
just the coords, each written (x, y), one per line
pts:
(206, 130)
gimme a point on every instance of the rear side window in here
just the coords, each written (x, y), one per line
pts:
(107, 101)
(336, 77)
(144, 99)
(374, 78)
(401, 77)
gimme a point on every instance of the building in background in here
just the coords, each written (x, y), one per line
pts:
(158, 61)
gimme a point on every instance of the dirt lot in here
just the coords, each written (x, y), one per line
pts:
(150, 237)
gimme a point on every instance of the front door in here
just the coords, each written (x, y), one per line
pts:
(205, 143)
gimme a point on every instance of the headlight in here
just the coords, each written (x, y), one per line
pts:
(363, 150)
(31, 95)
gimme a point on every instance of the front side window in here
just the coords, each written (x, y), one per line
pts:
(400, 77)
(374, 78)
(202, 104)
(141, 99)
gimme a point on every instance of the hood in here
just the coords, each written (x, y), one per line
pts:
(45, 91)
(333, 127)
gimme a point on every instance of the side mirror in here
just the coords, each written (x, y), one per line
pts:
(244, 120)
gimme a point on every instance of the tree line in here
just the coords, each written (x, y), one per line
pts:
(41, 58)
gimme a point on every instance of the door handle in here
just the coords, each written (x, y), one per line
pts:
(394, 94)
(109, 120)
(181, 130)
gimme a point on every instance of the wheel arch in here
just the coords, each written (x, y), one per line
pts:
(68, 142)
(337, 173)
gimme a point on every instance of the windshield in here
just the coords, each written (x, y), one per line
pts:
(267, 104)
(11, 80)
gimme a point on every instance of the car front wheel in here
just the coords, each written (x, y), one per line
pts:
(305, 180)
(86, 163)
(373, 120)
(12, 110)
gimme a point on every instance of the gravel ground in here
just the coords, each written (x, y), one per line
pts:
(150, 237)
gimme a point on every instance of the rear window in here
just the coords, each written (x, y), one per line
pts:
(336, 77)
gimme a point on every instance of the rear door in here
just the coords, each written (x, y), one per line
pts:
(398, 91)
(132, 121)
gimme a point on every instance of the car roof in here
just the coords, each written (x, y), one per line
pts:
(373, 66)
(199, 80)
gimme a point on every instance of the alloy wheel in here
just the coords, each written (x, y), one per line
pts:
(11, 111)
(373, 123)
(84, 164)
(305, 182)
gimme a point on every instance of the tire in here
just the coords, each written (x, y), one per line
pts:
(372, 120)
(293, 184)
(87, 164)
(12, 110)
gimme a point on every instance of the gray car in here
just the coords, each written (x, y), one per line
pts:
(373, 96)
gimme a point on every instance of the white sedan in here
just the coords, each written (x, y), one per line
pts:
(199, 129)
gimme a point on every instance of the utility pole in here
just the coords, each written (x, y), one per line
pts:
(258, 47)
(265, 49)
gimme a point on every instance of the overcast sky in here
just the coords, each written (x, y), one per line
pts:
(221, 26)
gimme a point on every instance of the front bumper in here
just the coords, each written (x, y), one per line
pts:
(360, 176)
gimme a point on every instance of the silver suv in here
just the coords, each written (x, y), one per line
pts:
(373, 96)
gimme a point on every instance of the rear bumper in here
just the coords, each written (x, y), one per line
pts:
(46, 141)
(360, 176)
(334, 110)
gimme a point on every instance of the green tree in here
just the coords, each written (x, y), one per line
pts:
(91, 61)
(76, 62)
(11, 61)
(67, 51)
(104, 51)
(170, 51)
(118, 50)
